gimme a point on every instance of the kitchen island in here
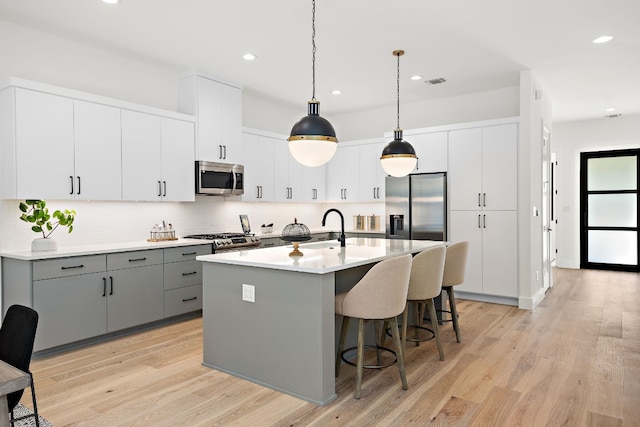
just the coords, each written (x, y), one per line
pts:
(269, 317)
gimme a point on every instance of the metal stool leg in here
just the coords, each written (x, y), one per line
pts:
(454, 312)
(434, 325)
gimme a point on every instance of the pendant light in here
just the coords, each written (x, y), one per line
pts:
(398, 157)
(313, 141)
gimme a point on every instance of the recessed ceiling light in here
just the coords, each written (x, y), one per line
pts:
(602, 39)
(416, 77)
(336, 92)
(249, 56)
(610, 110)
(110, 1)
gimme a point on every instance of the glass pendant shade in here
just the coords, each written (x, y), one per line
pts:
(398, 157)
(313, 140)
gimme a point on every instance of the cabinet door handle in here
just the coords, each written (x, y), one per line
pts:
(315, 194)
(111, 283)
(484, 199)
(484, 221)
(78, 185)
(71, 179)
(225, 151)
(189, 299)
(164, 189)
(137, 259)
(345, 194)
(479, 203)
(159, 189)
(191, 273)
(72, 267)
(189, 253)
(220, 152)
(104, 286)
(479, 225)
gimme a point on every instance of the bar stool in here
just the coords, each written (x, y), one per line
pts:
(455, 265)
(425, 284)
(380, 295)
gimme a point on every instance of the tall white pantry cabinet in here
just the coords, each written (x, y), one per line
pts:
(483, 202)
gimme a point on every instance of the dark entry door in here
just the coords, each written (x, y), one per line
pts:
(609, 208)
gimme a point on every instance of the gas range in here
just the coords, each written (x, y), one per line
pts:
(229, 241)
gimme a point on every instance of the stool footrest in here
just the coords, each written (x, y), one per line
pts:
(377, 347)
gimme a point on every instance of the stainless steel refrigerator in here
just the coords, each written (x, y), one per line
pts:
(416, 207)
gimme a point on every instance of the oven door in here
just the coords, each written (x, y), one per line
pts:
(219, 179)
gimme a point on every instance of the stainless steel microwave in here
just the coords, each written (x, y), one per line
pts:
(219, 179)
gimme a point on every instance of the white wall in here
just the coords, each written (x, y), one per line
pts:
(373, 123)
(568, 140)
(534, 115)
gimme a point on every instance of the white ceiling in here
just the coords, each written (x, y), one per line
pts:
(475, 45)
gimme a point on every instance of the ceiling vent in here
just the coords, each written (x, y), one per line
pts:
(612, 116)
(436, 81)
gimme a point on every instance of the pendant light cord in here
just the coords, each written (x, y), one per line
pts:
(313, 48)
(398, 91)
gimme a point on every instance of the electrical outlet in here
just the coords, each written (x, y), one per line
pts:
(248, 293)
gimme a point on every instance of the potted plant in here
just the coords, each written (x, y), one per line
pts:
(37, 213)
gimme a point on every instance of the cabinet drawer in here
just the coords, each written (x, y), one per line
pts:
(186, 253)
(183, 300)
(121, 260)
(181, 274)
(64, 267)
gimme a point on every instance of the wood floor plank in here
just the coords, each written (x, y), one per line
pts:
(574, 360)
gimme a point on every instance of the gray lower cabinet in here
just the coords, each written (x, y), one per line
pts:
(70, 308)
(87, 296)
(183, 279)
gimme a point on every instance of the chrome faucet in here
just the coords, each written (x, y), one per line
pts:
(342, 239)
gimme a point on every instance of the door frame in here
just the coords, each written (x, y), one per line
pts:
(584, 242)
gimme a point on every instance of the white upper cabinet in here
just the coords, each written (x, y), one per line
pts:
(258, 167)
(178, 164)
(44, 146)
(372, 176)
(141, 156)
(500, 167)
(465, 169)
(343, 173)
(218, 109)
(483, 166)
(56, 143)
(314, 184)
(98, 151)
(431, 149)
(157, 158)
(287, 176)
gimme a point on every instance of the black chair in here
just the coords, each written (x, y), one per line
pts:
(17, 334)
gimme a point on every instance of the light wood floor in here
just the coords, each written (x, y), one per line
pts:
(573, 361)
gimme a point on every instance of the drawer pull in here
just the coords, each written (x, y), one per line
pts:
(111, 283)
(104, 286)
(72, 267)
(189, 299)
(189, 253)
(137, 259)
(190, 274)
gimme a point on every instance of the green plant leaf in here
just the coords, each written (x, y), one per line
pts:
(37, 228)
(70, 228)
(23, 207)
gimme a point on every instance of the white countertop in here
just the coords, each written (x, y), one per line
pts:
(67, 251)
(322, 257)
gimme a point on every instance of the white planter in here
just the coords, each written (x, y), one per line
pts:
(42, 244)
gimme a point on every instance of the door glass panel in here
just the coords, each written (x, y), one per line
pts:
(612, 210)
(613, 247)
(612, 173)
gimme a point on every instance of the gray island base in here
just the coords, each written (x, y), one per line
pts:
(269, 318)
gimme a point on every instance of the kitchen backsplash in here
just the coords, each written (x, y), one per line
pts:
(112, 222)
